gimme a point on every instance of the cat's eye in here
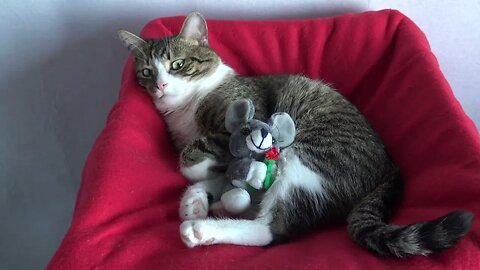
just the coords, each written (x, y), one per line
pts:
(246, 131)
(177, 64)
(146, 72)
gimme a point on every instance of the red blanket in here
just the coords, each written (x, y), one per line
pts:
(126, 211)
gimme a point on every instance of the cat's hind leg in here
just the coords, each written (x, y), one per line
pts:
(225, 231)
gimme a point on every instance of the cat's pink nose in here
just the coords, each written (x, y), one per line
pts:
(162, 85)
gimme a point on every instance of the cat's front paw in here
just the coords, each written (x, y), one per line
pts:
(196, 233)
(194, 204)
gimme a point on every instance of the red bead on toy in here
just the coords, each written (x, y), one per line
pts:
(273, 154)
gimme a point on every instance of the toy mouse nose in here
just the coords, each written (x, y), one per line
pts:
(264, 132)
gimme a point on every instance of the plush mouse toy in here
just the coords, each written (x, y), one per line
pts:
(255, 146)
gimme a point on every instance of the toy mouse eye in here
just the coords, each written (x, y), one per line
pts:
(246, 131)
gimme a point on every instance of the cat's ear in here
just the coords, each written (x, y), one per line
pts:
(134, 43)
(238, 113)
(195, 28)
(282, 129)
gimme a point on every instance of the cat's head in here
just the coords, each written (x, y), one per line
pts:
(173, 68)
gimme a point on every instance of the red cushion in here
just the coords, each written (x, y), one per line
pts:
(126, 210)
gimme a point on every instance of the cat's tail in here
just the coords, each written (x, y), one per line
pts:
(367, 226)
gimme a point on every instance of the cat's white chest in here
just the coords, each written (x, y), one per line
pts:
(182, 126)
(179, 102)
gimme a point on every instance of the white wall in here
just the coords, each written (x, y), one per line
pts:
(60, 72)
(453, 30)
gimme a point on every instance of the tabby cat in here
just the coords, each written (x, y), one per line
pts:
(337, 170)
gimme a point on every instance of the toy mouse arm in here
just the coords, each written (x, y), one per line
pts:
(256, 174)
(246, 170)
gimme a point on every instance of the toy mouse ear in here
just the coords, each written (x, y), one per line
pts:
(239, 112)
(282, 129)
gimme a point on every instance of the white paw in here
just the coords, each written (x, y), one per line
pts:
(256, 174)
(194, 204)
(196, 232)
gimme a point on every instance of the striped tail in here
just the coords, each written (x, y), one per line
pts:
(367, 226)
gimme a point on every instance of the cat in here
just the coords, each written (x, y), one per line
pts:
(337, 170)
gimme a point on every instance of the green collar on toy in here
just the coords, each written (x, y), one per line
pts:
(270, 160)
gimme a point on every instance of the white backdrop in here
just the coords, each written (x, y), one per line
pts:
(60, 73)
